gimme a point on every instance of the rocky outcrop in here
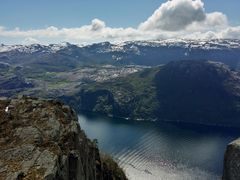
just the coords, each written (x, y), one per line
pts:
(232, 161)
(41, 139)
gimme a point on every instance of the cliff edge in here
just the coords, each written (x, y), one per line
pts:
(232, 161)
(41, 139)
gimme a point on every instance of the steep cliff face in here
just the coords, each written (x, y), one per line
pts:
(42, 139)
(232, 161)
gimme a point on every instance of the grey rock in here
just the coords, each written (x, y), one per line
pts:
(47, 160)
(232, 161)
(20, 152)
(46, 143)
(29, 134)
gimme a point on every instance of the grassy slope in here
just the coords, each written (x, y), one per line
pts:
(180, 91)
(134, 94)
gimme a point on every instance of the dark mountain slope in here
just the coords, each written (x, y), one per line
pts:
(193, 91)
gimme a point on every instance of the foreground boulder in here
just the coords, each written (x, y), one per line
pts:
(42, 139)
(232, 161)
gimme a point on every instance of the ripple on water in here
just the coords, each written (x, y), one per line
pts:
(148, 151)
(141, 162)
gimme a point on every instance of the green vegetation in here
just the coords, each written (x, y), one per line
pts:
(191, 91)
(132, 96)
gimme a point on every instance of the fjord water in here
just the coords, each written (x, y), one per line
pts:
(161, 150)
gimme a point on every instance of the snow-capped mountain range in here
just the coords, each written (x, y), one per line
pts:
(108, 47)
(51, 48)
(151, 53)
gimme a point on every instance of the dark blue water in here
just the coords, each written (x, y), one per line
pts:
(155, 151)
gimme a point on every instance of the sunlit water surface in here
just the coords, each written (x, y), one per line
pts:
(161, 151)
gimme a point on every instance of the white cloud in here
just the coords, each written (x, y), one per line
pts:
(178, 15)
(216, 19)
(30, 40)
(95, 32)
(230, 32)
(175, 15)
(213, 21)
(97, 25)
(173, 19)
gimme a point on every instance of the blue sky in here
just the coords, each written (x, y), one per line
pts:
(29, 14)
(74, 13)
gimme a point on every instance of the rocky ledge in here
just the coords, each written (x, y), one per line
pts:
(232, 161)
(41, 139)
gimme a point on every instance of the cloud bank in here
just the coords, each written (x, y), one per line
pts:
(173, 19)
(175, 15)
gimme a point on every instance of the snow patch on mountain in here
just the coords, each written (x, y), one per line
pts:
(128, 46)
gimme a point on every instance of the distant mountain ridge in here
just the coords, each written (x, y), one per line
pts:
(148, 53)
(110, 47)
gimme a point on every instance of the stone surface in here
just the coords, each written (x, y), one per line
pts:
(232, 161)
(41, 139)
